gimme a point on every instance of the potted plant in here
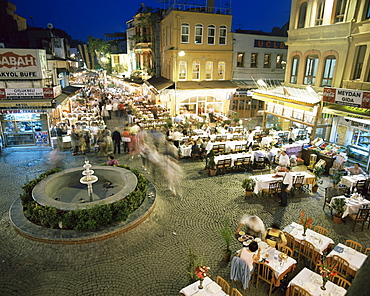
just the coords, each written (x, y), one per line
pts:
(211, 167)
(248, 184)
(318, 171)
(337, 177)
(227, 235)
(338, 207)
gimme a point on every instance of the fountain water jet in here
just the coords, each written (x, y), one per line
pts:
(88, 178)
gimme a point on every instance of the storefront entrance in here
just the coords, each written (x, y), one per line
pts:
(201, 105)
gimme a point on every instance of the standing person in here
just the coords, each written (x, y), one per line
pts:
(176, 136)
(250, 137)
(115, 107)
(126, 138)
(291, 136)
(75, 141)
(284, 160)
(255, 226)
(59, 133)
(121, 109)
(286, 186)
(116, 137)
(109, 108)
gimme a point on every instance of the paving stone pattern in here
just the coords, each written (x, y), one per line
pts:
(150, 259)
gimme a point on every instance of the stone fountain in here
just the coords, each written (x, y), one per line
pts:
(88, 178)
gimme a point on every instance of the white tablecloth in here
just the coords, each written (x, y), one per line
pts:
(355, 258)
(351, 181)
(278, 268)
(229, 145)
(233, 157)
(352, 204)
(320, 241)
(185, 150)
(311, 282)
(209, 287)
(263, 181)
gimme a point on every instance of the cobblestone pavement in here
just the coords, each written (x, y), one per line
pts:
(150, 259)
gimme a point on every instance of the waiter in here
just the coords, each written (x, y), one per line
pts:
(286, 187)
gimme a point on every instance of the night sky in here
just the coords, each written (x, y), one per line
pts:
(83, 18)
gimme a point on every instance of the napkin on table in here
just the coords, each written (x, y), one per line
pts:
(309, 287)
(213, 288)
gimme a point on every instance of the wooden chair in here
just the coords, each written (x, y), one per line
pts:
(238, 163)
(218, 138)
(330, 192)
(286, 250)
(321, 230)
(247, 163)
(341, 282)
(342, 265)
(274, 189)
(360, 186)
(221, 148)
(291, 243)
(216, 149)
(196, 153)
(366, 251)
(362, 217)
(307, 250)
(354, 245)
(227, 164)
(223, 284)
(260, 163)
(220, 166)
(237, 148)
(235, 292)
(266, 274)
(298, 291)
(298, 183)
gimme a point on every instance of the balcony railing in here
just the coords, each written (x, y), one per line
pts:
(199, 8)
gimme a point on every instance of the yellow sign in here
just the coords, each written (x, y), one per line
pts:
(22, 104)
(271, 99)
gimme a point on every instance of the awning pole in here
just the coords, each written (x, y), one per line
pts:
(318, 115)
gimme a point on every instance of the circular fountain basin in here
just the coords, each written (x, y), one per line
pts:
(64, 191)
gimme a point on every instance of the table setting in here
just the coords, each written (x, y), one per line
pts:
(321, 242)
(354, 202)
(312, 283)
(210, 288)
(354, 258)
(351, 180)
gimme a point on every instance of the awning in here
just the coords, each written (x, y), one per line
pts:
(70, 90)
(156, 84)
(348, 111)
(60, 99)
(205, 84)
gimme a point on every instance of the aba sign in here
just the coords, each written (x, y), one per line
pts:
(13, 60)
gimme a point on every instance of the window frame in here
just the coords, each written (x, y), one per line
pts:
(197, 35)
(267, 64)
(195, 71)
(221, 74)
(187, 35)
(302, 14)
(212, 28)
(294, 69)
(240, 64)
(222, 39)
(310, 71)
(367, 10)
(254, 60)
(209, 70)
(279, 64)
(359, 64)
(184, 74)
(329, 71)
(319, 12)
(340, 11)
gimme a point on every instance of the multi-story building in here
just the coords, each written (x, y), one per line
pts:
(257, 55)
(196, 54)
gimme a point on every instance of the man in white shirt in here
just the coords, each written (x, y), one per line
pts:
(286, 186)
(176, 136)
(284, 160)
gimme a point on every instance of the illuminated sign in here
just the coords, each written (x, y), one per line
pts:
(29, 93)
(347, 97)
(270, 44)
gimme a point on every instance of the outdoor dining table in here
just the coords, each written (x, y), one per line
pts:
(350, 181)
(185, 151)
(353, 204)
(210, 288)
(321, 242)
(354, 258)
(263, 181)
(311, 282)
(233, 156)
(229, 145)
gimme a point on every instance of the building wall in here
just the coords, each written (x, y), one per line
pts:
(331, 35)
(171, 44)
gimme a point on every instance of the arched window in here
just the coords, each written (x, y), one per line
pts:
(320, 12)
(294, 73)
(329, 68)
(198, 34)
(185, 33)
(211, 34)
(311, 69)
(196, 70)
(183, 69)
(209, 70)
(223, 35)
(302, 15)
(340, 10)
(221, 71)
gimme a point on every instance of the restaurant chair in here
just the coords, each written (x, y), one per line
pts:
(220, 166)
(238, 163)
(298, 183)
(321, 230)
(244, 147)
(330, 192)
(360, 187)
(221, 148)
(247, 163)
(341, 282)
(196, 153)
(307, 250)
(274, 189)
(266, 274)
(240, 271)
(366, 251)
(362, 217)
(238, 148)
(218, 138)
(227, 164)
(260, 163)
(292, 243)
(286, 250)
(298, 291)
(235, 292)
(216, 149)
(223, 284)
(224, 138)
(354, 245)
(342, 265)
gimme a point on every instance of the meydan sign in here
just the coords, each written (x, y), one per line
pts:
(347, 97)
(22, 63)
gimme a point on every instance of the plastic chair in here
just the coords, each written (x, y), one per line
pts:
(321, 230)
(354, 245)
(235, 292)
(265, 273)
(223, 284)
